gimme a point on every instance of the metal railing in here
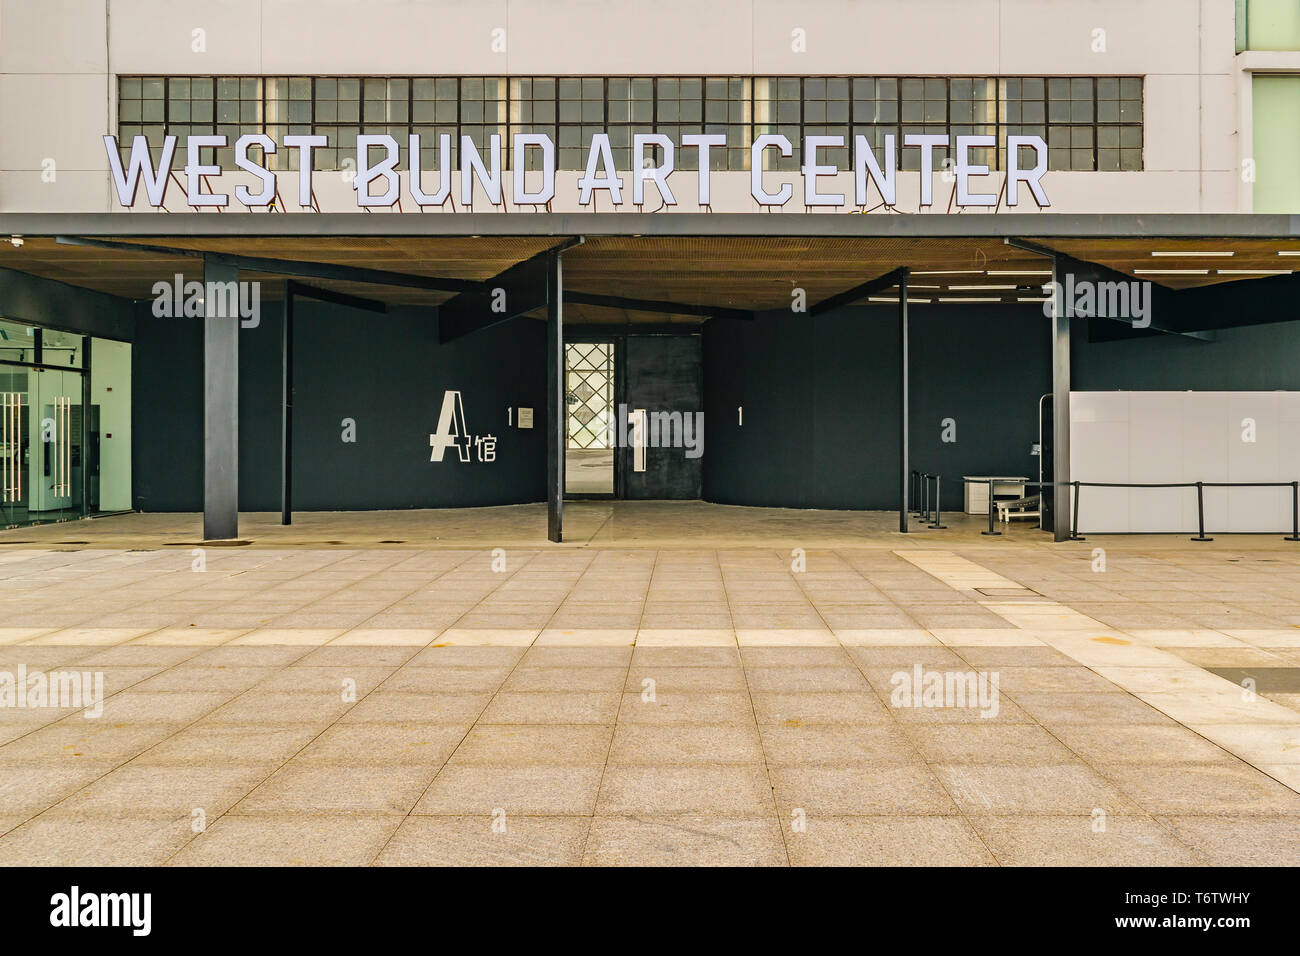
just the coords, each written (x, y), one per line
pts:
(922, 479)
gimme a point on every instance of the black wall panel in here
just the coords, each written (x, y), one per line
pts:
(821, 402)
(820, 399)
(1248, 358)
(984, 367)
(386, 373)
(167, 413)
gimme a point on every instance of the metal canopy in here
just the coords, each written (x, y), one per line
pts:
(653, 278)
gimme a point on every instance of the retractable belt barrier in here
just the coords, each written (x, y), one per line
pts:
(921, 488)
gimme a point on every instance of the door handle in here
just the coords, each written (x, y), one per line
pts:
(61, 463)
(12, 442)
(6, 424)
(65, 472)
(638, 439)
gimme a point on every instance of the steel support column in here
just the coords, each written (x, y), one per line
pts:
(1060, 411)
(87, 400)
(555, 404)
(220, 401)
(904, 474)
(286, 407)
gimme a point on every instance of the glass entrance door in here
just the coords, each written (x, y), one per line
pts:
(55, 454)
(15, 432)
(589, 421)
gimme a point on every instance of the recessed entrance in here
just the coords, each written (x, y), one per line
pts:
(58, 456)
(634, 415)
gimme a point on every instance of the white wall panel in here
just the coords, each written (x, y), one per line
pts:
(956, 37)
(1153, 437)
(72, 31)
(1184, 48)
(145, 36)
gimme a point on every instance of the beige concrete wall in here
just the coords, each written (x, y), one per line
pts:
(58, 59)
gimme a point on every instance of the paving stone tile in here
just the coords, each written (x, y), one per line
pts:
(351, 839)
(909, 789)
(534, 790)
(1040, 789)
(487, 840)
(678, 744)
(312, 787)
(631, 789)
(684, 840)
(887, 841)
(141, 841)
(1082, 840)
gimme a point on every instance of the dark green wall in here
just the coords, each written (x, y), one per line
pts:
(167, 413)
(820, 397)
(386, 372)
(821, 394)
(1248, 358)
(821, 401)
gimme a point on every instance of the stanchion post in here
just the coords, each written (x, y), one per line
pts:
(1200, 513)
(938, 506)
(992, 511)
(1074, 520)
(1295, 513)
(925, 497)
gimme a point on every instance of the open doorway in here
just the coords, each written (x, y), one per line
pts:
(589, 418)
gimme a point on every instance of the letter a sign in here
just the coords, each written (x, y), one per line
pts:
(451, 429)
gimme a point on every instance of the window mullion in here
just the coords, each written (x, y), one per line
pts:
(1096, 130)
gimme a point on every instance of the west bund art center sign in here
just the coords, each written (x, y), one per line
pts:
(376, 181)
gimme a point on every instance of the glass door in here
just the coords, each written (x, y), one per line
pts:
(589, 422)
(55, 459)
(15, 432)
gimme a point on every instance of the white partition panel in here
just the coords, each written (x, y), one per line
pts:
(1153, 437)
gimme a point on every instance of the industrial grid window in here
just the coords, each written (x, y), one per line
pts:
(589, 394)
(1089, 123)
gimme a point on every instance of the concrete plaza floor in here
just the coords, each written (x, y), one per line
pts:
(675, 684)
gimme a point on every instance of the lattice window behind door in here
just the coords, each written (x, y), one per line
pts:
(589, 393)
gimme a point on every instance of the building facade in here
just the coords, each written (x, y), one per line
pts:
(731, 203)
(1181, 103)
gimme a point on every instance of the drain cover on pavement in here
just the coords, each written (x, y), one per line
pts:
(1268, 680)
(1008, 592)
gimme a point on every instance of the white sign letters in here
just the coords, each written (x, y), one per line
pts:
(377, 160)
(454, 433)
